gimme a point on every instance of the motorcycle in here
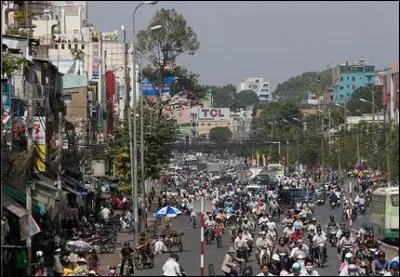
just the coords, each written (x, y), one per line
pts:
(346, 249)
(232, 232)
(319, 255)
(332, 231)
(320, 201)
(140, 260)
(265, 255)
(334, 204)
(128, 266)
(208, 233)
(362, 209)
(243, 253)
(284, 259)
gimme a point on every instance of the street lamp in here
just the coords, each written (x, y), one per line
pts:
(133, 133)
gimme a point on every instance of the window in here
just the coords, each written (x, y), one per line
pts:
(348, 78)
(341, 96)
(83, 46)
(341, 78)
(353, 87)
(62, 46)
(69, 46)
(209, 124)
(341, 87)
(56, 46)
(76, 46)
(353, 78)
(378, 204)
(348, 86)
(395, 200)
(265, 85)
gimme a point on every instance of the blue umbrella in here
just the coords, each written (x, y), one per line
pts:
(167, 211)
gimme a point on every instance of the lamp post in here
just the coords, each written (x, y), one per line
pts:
(133, 145)
(373, 124)
(322, 147)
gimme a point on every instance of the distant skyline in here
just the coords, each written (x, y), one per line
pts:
(274, 40)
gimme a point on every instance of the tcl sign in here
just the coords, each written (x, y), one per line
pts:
(216, 114)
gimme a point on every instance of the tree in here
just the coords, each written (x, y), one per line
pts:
(358, 107)
(246, 98)
(223, 97)
(12, 63)
(220, 134)
(157, 134)
(161, 48)
(295, 88)
(393, 148)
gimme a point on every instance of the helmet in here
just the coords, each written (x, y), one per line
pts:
(348, 255)
(313, 219)
(364, 226)
(112, 267)
(126, 243)
(394, 265)
(39, 253)
(296, 267)
(347, 233)
(275, 257)
(332, 217)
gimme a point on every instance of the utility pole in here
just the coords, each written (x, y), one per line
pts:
(287, 155)
(358, 148)
(322, 149)
(373, 129)
(59, 171)
(297, 154)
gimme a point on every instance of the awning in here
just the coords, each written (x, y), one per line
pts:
(67, 188)
(79, 186)
(13, 206)
(20, 197)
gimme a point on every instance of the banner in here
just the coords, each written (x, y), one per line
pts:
(95, 60)
(39, 130)
(40, 161)
(149, 89)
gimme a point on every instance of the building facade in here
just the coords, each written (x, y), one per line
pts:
(389, 80)
(347, 78)
(258, 85)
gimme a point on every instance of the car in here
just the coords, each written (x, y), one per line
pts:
(290, 197)
(253, 188)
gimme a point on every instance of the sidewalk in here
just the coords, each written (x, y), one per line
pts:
(151, 220)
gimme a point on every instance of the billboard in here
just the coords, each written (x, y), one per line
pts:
(149, 89)
(95, 60)
(214, 114)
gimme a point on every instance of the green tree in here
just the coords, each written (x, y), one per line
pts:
(393, 148)
(220, 134)
(295, 88)
(224, 97)
(246, 98)
(157, 134)
(161, 48)
(358, 107)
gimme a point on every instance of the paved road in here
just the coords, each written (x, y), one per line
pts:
(190, 257)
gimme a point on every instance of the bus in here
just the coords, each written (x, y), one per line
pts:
(384, 213)
(278, 169)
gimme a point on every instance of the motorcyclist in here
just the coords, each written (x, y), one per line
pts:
(240, 244)
(318, 239)
(263, 219)
(282, 247)
(341, 231)
(351, 270)
(246, 223)
(263, 241)
(288, 230)
(112, 271)
(348, 259)
(393, 269)
(309, 269)
(346, 240)
(362, 232)
(229, 262)
(159, 246)
(332, 222)
(300, 247)
(274, 267)
(144, 246)
(39, 265)
(312, 225)
(298, 234)
(380, 263)
(126, 253)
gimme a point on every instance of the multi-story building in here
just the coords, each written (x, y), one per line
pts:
(389, 80)
(347, 78)
(258, 85)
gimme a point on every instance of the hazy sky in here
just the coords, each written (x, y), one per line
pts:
(274, 40)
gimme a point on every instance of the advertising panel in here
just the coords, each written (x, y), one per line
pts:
(214, 114)
(6, 103)
(149, 89)
(95, 60)
(39, 130)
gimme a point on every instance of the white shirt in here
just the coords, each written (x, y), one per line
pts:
(240, 243)
(295, 251)
(318, 239)
(171, 268)
(305, 273)
(262, 274)
(271, 225)
(361, 202)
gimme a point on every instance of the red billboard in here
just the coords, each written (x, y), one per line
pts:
(110, 92)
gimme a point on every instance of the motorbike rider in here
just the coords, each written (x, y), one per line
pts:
(393, 269)
(126, 253)
(263, 219)
(171, 266)
(298, 234)
(348, 260)
(240, 244)
(296, 270)
(318, 239)
(362, 232)
(332, 222)
(159, 246)
(274, 267)
(288, 230)
(39, 265)
(346, 240)
(380, 263)
(312, 225)
(229, 261)
(112, 271)
(309, 269)
(282, 247)
(351, 270)
(300, 247)
(144, 246)
(263, 241)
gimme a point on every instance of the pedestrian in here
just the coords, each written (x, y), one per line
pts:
(171, 266)
(58, 269)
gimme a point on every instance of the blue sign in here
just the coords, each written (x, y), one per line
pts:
(150, 90)
(6, 100)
